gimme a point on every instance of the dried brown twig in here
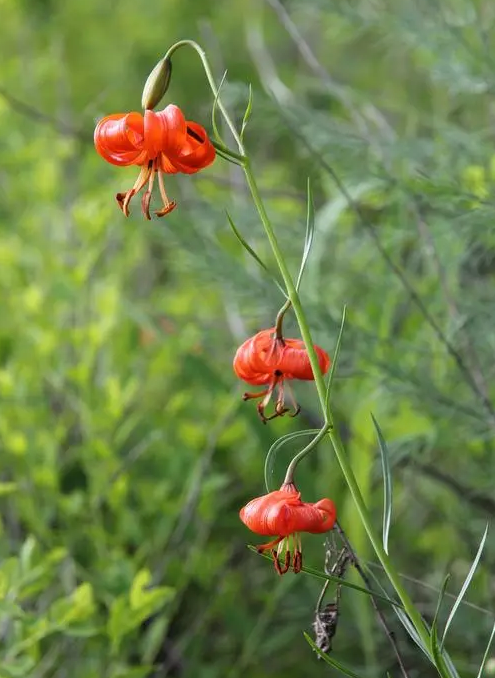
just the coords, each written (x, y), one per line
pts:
(325, 624)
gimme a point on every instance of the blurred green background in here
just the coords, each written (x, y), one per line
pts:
(126, 451)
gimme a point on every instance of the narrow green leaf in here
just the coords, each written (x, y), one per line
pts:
(229, 158)
(335, 361)
(247, 112)
(450, 665)
(487, 651)
(435, 648)
(272, 452)
(337, 580)
(403, 618)
(467, 581)
(310, 232)
(250, 250)
(214, 111)
(411, 631)
(387, 483)
(329, 660)
(441, 596)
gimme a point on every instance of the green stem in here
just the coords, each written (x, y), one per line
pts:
(293, 297)
(332, 433)
(289, 475)
(280, 319)
(228, 152)
(206, 66)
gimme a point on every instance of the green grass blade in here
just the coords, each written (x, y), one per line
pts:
(309, 237)
(467, 581)
(487, 651)
(335, 360)
(387, 483)
(440, 600)
(436, 652)
(333, 662)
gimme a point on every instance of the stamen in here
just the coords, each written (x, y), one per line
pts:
(281, 570)
(168, 205)
(266, 400)
(251, 396)
(295, 405)
(280, 408)
(124, 199)
(286, 562)
(145, 200)
(276, 562)
(264, 547)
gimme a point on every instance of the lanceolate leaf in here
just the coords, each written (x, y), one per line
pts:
(335, 360)
(437, 652)
(228, 158)
(214, 111)
(310, 232)
(247, 112)
(272, 452)
(329, 660)
(467, 581)
(346, 584)
(403, 618)
(387, 483)
(250, 250)
(440, 600)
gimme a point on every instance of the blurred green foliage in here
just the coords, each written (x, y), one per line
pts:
(126, 451)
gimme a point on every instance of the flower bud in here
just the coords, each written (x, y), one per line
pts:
(157, 84)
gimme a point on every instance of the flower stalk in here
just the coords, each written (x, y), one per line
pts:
(294, 299)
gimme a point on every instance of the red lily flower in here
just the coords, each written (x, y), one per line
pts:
(283, 513)
(270, 360)
(160, 143)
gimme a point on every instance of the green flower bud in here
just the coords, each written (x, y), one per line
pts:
(157, 84)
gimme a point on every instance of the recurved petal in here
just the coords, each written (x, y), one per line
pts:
(270, 514)
(165, 132)
(294, 361)
(119, 139)
(329, 509)
(313, 518)
(248, 364)
(197, 151)
(244, 371)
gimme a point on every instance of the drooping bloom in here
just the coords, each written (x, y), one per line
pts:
(268, 360)
(282, 513)
(160, 143)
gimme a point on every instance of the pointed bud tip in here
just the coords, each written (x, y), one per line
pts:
(157, 84)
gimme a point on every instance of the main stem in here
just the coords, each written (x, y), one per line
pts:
(332, 432)
(313, 358)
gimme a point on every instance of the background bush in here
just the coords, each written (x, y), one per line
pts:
(126, 451)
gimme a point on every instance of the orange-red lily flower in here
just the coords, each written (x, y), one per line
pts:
(269, 360)
(160, 143)
(282, 513)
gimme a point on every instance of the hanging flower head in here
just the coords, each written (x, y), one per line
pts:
(282, 513)
(160, 143)
(266, 359)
